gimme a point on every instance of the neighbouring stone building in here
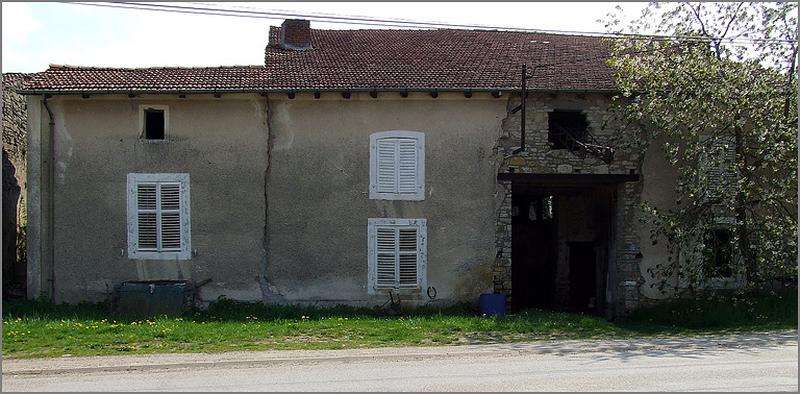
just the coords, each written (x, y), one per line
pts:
(354, 166)
(14, 165)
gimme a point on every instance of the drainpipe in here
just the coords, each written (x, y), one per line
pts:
(50, 195)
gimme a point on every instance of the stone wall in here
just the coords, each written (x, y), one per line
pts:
(626, 271)
(539, 158)
(502, 265)
(15, 123)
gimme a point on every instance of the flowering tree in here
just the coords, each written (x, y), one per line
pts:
(721, 90)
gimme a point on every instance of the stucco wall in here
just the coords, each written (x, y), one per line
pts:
(221, 143)
(280, 192)
(659, 178)
(319, 202)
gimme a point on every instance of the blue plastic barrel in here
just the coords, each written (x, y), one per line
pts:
(493, 304)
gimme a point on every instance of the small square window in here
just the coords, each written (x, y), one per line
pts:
(567, 129)
(153, 122)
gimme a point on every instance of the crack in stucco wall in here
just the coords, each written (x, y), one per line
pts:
(268, 292)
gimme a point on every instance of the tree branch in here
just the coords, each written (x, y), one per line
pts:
(699, 19)
(733, 18)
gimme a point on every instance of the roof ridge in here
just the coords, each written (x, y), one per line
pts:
(487, 29)
(11, 77)
(108, 68)
(15, 73)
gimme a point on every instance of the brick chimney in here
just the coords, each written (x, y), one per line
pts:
(296, 34)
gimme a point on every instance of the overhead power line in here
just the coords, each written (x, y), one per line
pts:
(277, 15)
(202, 9)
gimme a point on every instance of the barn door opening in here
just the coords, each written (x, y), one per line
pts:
(561, 238)
(534, 251)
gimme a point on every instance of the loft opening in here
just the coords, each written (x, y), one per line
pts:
(154, 121)
(567, 129)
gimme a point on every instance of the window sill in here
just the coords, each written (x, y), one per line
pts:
(401, 291)
(137, 255)
(397, 197)
(154, 142)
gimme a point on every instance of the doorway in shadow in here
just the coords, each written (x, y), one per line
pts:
(534, 251)
(561, 238)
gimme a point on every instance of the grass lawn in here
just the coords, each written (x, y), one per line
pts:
(33, 329)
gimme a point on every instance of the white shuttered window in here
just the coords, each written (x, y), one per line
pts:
(397, 165)
(397, 254)
(717, 166)
(158, 217)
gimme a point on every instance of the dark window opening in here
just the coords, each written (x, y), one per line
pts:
(154, 124)
(540, 208)
(718, 253)
(566, 129)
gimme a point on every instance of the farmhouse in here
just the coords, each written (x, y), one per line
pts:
(352, 167)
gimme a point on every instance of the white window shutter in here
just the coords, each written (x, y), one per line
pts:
(718, 171)
(158, 216)
(407, 182)
(386, 275)
(397, 165)
(147, 229)
(407, 257)
(397, 253)
(386, 166)
(170, 224)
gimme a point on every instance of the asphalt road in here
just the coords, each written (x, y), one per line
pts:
(760, 362)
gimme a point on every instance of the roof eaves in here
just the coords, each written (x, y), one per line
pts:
(67, 92)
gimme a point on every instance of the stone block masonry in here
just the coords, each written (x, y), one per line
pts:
(15, 122)
(502, 267)
(539, 158)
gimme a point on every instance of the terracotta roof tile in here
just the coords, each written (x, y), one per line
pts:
(88, 79)
(371, 59)
(439, 59)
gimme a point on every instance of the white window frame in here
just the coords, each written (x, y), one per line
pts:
(142, 135)
(421, 226)
(419, 193)
(133, 218)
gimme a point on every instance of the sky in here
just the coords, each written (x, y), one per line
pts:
(35, 35)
